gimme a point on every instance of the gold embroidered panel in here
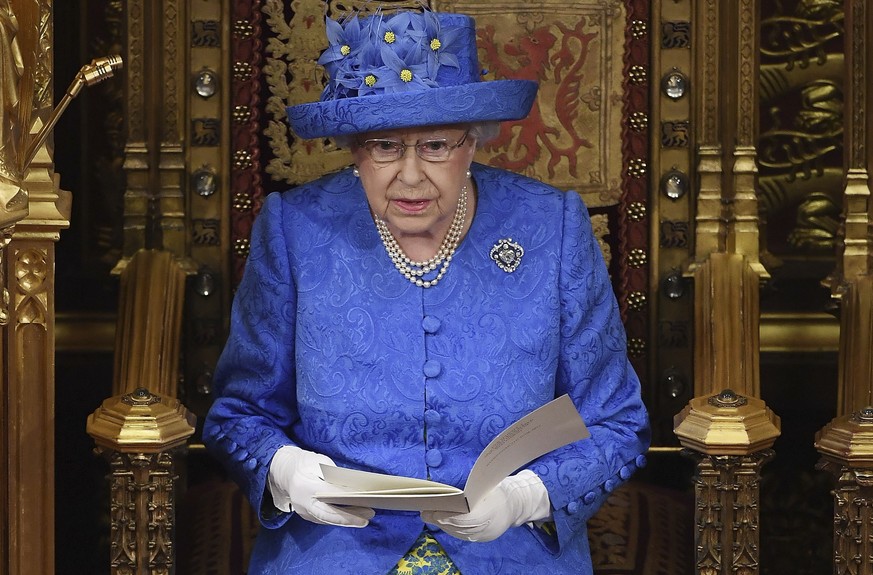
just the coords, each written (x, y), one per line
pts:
(293, 77)
(572, 137)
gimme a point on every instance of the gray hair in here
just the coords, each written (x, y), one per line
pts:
(484, 131)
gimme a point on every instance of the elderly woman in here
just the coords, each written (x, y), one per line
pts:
(397, 315)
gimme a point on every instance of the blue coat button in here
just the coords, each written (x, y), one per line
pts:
(432, 417)
(624, 472)
(432, 368)
(430, 324)
(589, 498)
(609, 485)
(251, 464)
(433, 458)
(573, 507)
(640, 461)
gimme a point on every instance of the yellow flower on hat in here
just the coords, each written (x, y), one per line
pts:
(380, 56)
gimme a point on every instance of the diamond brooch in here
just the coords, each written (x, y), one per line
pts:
(507, 254)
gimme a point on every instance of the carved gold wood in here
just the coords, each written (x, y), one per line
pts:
(139, 433)
(727, 424)
(799, 332)
(27, 428)
(727, 491)
(800, 155)
(855, 375)
(141, 490)
(729, 436)
(726, 271)
(149, 326)
(727, 214)
(34, 211)
(846, 443)
(852, 279)
(726, 325)
(846, 446)
(854, 252)
(856, 256)
(171, 132)
(18, 50)
(726, 267)
(154, 203)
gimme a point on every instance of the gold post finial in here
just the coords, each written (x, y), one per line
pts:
(142, 422)
(138, 433)
(726, 424)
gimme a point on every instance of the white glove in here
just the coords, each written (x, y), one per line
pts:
(516, 500)
(295, 477)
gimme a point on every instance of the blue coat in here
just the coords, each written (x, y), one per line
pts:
(331, 349)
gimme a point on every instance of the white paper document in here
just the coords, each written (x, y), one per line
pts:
(547, 428)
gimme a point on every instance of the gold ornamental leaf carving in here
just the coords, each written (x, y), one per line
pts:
(30, 293)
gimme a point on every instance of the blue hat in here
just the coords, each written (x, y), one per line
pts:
(404, 70)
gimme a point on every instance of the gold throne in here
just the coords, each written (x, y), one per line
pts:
(649, 109)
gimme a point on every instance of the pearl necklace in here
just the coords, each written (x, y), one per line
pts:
(415, 271)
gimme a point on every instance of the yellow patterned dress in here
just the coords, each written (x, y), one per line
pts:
(425, 557)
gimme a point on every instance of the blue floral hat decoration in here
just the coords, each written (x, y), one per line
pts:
(403, 70)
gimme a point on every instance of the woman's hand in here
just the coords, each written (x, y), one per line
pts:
(294, 479)
(515, 501)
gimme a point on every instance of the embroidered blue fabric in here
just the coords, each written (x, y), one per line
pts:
(331, 349)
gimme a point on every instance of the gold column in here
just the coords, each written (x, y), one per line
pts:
(854, 265)
(846, 443)
(148, 341)
(154, 165)
(138, 434)
(141, 432)
(729, 436)
(33, 210)
(726, 428)
(28, 370)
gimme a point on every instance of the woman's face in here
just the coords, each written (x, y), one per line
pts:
(415, 197)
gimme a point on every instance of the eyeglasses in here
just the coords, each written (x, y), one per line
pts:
(385, 151)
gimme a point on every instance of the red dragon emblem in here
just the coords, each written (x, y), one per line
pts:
(553, 55)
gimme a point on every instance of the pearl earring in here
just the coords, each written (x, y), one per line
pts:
(356, 172)
(469, 174)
